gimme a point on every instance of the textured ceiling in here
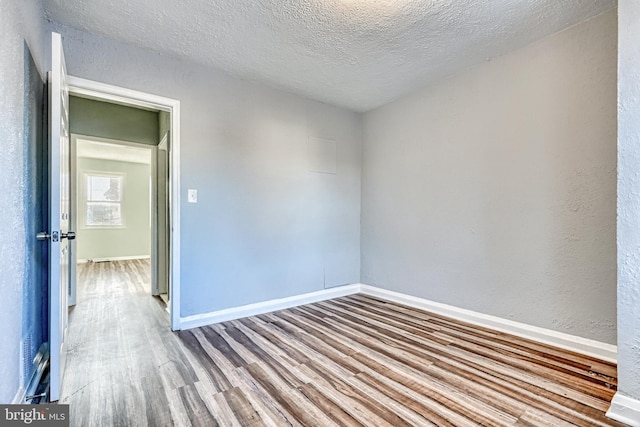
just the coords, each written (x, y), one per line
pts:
(354, 53)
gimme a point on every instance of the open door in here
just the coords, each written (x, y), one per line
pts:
(160, 214)
(163, 230)
(59, 198)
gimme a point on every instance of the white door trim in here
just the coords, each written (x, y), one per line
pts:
(119, 95)
(153, 206)
(73, 219)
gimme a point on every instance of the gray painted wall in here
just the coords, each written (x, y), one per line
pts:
(494, 190)
(629, 198)
(23, 290)
(103, 119)
(264, 226)
(134, 238)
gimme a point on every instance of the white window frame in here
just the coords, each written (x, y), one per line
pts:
(85, 202)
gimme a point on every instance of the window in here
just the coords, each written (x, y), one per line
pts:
(104, 200)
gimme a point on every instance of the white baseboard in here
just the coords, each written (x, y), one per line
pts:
(625, 409)
(20, 397)
(113, 258)
(266, 307)
(580, 345)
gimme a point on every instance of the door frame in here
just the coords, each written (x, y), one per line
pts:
(160, 253)
(76, 216)
(123, 96)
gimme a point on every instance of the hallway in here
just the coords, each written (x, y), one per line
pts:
(120, 347)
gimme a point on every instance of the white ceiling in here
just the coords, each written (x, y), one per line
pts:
(358, 54)
(106, 151)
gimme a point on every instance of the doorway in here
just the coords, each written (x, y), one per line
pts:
(58, 234)
(116, 210)
(163, 198)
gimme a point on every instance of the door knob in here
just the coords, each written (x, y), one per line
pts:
(70, 235)
(43, 235)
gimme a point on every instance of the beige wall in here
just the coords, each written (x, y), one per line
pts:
(134, 238)
(495, 190)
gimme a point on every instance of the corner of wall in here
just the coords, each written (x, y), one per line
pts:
(625, 409)
(588, 347)
(22, 47)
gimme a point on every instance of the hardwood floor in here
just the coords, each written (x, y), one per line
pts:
(352, 361)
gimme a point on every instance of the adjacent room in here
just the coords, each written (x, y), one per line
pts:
(327, 212)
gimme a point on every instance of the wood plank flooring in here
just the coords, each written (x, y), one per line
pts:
(351, 361)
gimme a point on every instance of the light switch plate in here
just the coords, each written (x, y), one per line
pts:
(192, 196)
